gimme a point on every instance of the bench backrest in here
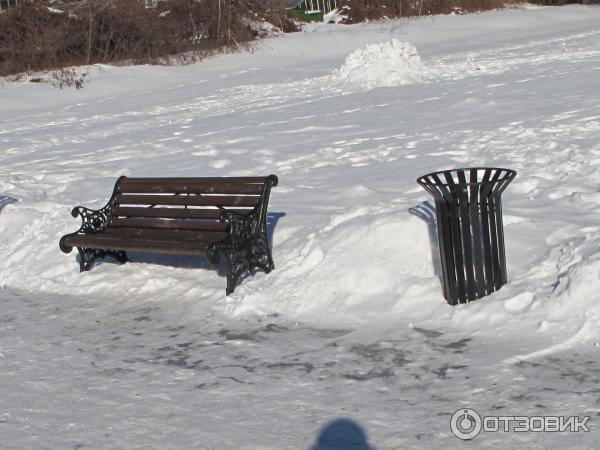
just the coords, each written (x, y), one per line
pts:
(186, 203)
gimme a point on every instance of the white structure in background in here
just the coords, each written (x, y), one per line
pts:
(4, 4)
(319, 6)
(335, 16)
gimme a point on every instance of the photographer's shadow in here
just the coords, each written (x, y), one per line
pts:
(342, 434)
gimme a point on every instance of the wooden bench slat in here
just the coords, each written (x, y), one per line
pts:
(173, 224)
(162, 234)
(174, 213)
(196, 187)
(106, 242)
(189, 200)
(208, 180)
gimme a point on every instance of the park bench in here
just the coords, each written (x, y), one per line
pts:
(213, 217)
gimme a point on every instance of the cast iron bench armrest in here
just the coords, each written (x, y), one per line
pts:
(92, 221)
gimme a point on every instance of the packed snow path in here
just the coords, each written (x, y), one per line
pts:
(353, 240)
(77, 374)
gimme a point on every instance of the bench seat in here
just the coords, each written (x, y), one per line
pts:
(107, 241)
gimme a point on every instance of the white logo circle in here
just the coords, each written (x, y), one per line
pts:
(465, 424)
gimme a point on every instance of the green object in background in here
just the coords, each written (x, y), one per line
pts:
(303, 15)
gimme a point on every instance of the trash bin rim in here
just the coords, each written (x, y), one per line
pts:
(509, 175)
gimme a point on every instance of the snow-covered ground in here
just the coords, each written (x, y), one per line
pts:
(352, 323)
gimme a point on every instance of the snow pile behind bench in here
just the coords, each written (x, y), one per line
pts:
(391, 63)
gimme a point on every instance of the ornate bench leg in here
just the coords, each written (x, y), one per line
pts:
(120, 256)
(238, 264)
(243, 258)
(237, 259)
(88, 257)
(260, 254)
(242, 255)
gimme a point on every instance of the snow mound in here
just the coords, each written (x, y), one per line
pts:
(346, 267)
(391, 63)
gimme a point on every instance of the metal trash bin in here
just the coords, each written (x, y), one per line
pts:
(469, 227)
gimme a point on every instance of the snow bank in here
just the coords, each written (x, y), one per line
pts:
(363, 262)
(391, 63)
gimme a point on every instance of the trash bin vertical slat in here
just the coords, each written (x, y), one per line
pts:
(465, 225)
(494, 232)
(459, 266)
(476, 224)
(470, 229)
(443, 238)
(501, 249)
(445, 243)
(484, 189)
(451, 236)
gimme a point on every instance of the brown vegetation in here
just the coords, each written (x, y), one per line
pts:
(34, 37)
(360, 10)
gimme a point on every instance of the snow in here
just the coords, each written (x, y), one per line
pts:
(351, 323)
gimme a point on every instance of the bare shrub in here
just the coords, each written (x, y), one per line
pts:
(28, 37)
(360, 10)
(68, 78)
(33, 37)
